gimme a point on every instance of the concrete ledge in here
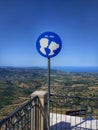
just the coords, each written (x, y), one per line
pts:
(40, 94)
(39, 112)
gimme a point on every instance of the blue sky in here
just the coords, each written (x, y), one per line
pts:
(22, 21)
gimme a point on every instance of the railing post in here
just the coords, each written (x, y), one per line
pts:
(38, 114)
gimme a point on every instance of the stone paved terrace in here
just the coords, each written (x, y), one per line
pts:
(66, 122)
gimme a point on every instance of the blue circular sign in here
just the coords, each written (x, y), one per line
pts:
(48, 44)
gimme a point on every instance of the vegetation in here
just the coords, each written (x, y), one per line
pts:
(16, 85)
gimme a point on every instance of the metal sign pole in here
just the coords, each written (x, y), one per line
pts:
(48, 45)
(48, 94)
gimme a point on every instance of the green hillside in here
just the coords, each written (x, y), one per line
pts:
(16, 85)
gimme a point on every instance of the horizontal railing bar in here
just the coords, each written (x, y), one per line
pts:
(23, 106)
(64, 96)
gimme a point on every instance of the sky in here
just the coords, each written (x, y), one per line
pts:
(22, 21)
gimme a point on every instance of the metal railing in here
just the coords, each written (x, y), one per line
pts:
(27, 117)
(66, 113)
(73, 113)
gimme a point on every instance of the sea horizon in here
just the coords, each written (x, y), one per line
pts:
(76, 68)
(61, 68)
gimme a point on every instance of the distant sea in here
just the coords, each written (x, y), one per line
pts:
(76, 69)
(61, 68)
